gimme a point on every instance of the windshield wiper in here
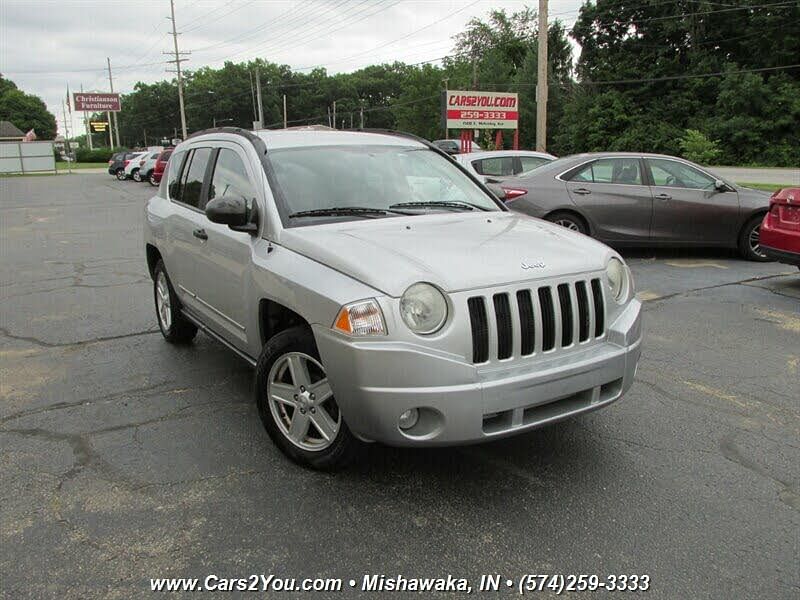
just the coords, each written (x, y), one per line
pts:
(335, 211)
(440, 204)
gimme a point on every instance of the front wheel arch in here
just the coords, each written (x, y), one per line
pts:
(572, 213)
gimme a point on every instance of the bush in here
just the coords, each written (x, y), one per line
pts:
(98, 155)
(697, 147)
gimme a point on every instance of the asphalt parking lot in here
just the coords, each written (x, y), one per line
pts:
(125, 458)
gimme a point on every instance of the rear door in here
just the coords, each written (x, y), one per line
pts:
(185, 225)
(613, 193)
(686, 205)
(222, 266)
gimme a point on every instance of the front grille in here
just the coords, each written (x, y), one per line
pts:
(550, 318)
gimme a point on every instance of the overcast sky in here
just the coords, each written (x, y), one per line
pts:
(46, 45)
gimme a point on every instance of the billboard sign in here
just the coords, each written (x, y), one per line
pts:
(481, 110)
(96, 102)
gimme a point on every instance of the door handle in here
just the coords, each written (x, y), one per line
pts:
(581, 191)
(200, 233)
(663, 197)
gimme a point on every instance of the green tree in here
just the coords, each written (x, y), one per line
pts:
(697, 147)
(25, 111)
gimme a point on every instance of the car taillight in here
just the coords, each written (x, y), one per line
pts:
(774, 210)
(127, 162)
(513, 193)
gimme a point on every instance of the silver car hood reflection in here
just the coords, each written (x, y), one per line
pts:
(453, 251)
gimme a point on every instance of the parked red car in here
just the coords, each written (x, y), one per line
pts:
(158, 170)
(779, 237)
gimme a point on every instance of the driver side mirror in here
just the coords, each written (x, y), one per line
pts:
(233, 211)
(720, 186)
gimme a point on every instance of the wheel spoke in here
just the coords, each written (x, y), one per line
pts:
(299, 426)
(299, 370)
(321, 390)
(282, 393)
(324, 423)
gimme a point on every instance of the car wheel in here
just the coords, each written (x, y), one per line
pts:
(152, 180)
(296, 403)
(175, 328)
(569, 221)
(121, 174)
(137, 176)
(749, 247)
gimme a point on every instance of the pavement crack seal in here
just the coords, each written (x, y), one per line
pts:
(652, 299)
(45, 344)
(731, 452)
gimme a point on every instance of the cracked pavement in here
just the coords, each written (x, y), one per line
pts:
(125, 458)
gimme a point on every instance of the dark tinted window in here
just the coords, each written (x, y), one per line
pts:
(165, 155)
(194, 172)
(610, 170)
(173, 172)
(230, 177)
(502, 165)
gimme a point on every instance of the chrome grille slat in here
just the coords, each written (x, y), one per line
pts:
(526, 322)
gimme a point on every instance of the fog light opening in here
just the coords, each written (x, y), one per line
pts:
(408, 419)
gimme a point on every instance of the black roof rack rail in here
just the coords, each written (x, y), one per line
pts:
(257, 141)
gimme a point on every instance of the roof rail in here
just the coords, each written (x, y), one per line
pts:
(257, 141)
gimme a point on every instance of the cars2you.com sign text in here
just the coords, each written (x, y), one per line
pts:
(481, 110)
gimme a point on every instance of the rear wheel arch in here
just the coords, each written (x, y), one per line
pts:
(573, 213)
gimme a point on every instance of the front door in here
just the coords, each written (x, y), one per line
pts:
(613, 194)
(222, 268)
(687, 207)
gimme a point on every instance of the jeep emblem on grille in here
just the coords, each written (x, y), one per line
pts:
(536, 265)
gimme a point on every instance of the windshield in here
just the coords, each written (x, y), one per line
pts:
(373, 177)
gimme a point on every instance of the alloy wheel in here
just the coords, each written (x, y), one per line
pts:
(567, 224)
(163, 305)
(301, 401)
(754, 240)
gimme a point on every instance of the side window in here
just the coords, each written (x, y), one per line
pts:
(173, 172)
(503, 165)
(531, 162)
(192, 181)
(670, 173)
(611, 170)
(230, 177)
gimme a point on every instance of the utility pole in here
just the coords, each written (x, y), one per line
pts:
(177, 60)
(258, 98)
(284, 111)
(66, 137)
(253, 96)
(444, 109)
(541, 81)
(334, 114)
(115, 124)
(362, 114)
(329, 116)
(87, 127)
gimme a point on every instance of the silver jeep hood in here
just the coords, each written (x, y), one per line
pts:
(455, 251)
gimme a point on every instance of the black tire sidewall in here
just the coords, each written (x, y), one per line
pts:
(344, 447)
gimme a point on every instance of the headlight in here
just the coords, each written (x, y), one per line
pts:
(360, 318)
(423, 308)
(618, 280)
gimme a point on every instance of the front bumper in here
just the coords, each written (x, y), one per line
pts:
(375, 381)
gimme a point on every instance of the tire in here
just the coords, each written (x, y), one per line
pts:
(136, 175)
(121, 174)
(152, 180)
(293, 350)
(175, 328)
(748, 241)
(569, 221)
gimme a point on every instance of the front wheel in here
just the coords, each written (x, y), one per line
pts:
(749, 241)
(152, 180)
(121, 174)
(296, 403)
(569, 221)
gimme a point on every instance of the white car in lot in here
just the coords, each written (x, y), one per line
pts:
(502, 164)
(132, 167)
(146, 165)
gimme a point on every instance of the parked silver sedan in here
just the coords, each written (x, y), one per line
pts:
(644, 200)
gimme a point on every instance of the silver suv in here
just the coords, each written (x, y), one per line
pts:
(383, 293)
